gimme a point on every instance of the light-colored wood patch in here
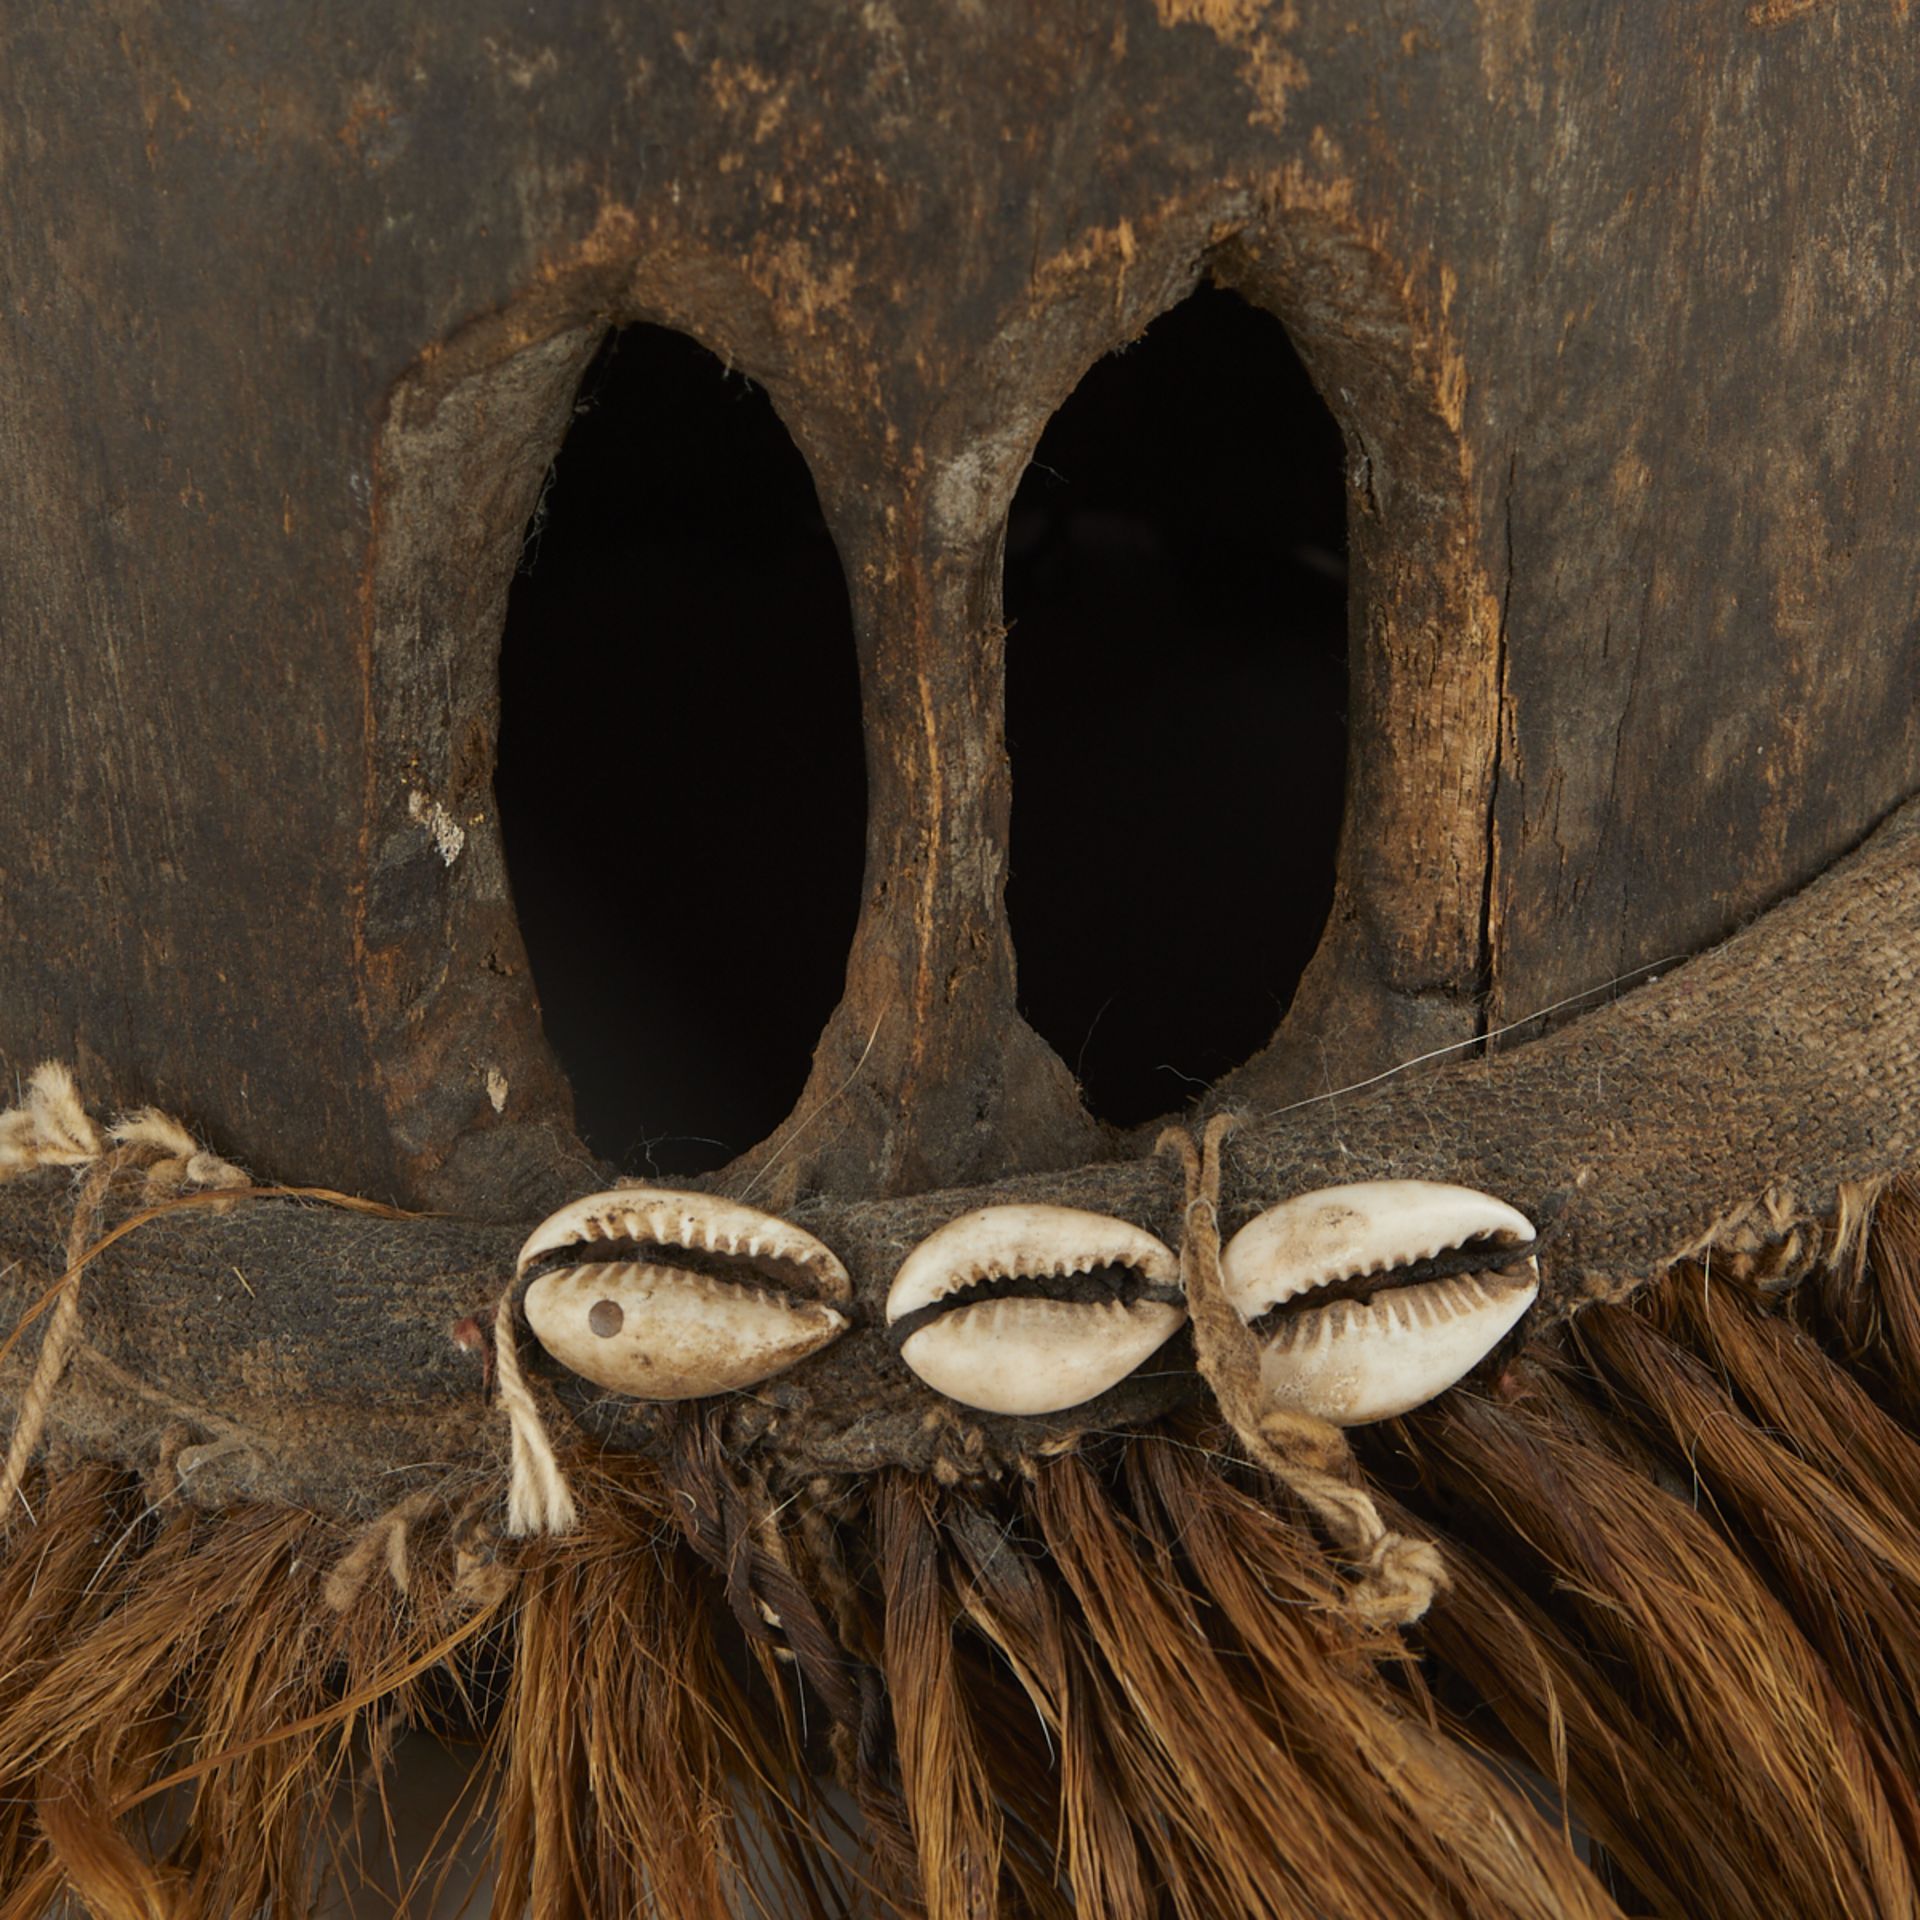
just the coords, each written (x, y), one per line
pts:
(1256, 30)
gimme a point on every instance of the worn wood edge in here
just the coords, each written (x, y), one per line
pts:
(1744, 1107)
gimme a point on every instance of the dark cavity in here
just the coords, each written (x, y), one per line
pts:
(1176, 589)
(681, 778)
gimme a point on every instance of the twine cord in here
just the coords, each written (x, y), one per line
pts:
(62, 1334)
(52, 1128)
(1398, 1576)
(538, 1499)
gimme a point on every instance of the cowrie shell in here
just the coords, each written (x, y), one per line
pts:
(659, 1330)
(1352, 1361)
(1025, 1353)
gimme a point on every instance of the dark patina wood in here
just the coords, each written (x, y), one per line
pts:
(1615, 310)
(1741, 1108)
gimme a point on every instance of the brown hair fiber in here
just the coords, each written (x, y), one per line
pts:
(1675, 1671)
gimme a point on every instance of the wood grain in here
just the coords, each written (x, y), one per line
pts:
(1616, 313)
(1745, 1103)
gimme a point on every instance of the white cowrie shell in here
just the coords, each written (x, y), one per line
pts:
(658, 1331)
(1028, 1355)
(1353, 1361)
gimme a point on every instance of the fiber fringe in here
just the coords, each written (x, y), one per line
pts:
(1674, 1671)
(1685, 1583)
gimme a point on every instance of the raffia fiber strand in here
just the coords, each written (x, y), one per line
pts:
(1014, 1611)
(624, 1743)
(1806, 1812)
(1563, 1714)
(957, 1826)
(1240, 1707)
(218, 1615)
(1129, 1683)
(1845, 1559)
(727, 1518)
(1868, 1309)
(1490, 1842)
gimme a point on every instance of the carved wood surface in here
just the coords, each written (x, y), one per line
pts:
(1745, 1104)
(1616, 310)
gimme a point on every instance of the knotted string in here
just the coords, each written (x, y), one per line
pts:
(538, 1499)
(51, 1128)
(1398, 1577)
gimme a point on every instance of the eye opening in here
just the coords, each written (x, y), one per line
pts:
(1176, 596)
(680, 773)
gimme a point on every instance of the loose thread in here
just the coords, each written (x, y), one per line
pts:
(180, 1160)
(1398, 1576)
(51, 1128)
(538, 1500)
(385, 1537)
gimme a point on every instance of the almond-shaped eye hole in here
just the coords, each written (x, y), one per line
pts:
(1033, 1309)
(674, 1296)
(1370, 1299)
(1196, 470)
(677, 563)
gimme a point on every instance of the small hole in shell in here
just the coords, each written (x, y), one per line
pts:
(605, 1318)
